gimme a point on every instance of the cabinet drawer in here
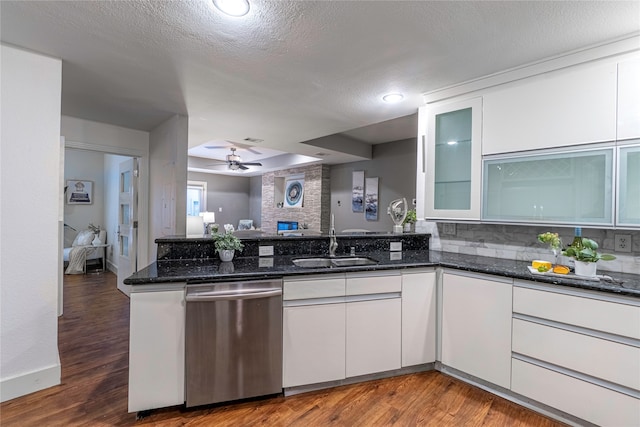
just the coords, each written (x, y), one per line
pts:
(314, 287)
(607, 360)
(614, 318)
(576, 397)
(365, 284)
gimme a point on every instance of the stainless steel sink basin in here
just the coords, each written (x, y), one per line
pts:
(352, 261)
(333, 262)
(312, 262)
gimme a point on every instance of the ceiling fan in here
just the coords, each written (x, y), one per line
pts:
(234, 162)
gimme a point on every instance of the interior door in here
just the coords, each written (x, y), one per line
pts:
(127, 222)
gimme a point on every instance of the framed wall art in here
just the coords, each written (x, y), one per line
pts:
(357, 191)
(371, 199)
(293, 193)
(79, 192)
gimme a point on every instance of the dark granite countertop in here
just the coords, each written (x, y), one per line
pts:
(253, 267)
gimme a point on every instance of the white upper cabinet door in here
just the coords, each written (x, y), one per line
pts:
(557, 109)
(629, 99)
(628, 186)
(454, 133)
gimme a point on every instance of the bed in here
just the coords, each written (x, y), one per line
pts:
(78, 249)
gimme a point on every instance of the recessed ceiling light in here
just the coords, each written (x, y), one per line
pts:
(393, 97)
(232, 7)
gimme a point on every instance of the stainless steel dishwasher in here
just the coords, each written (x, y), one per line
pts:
(233, 341)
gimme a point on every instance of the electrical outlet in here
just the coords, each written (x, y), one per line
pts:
(449, 228)
(622, 243)
(265, 251)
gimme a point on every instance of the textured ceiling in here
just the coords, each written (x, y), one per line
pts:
(292, 71)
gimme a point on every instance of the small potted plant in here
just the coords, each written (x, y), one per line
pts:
(409, 220)
(226, 244)
(554, 241)
(586, 255)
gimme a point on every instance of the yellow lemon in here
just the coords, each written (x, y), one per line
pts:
(537, 264)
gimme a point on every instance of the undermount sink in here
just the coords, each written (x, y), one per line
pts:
(312, 262)
(333, 262)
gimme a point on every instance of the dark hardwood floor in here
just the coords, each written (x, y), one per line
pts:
(93, 344)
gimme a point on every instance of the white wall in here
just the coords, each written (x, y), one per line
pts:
(88, 166)
(168, 145)
(29, 221)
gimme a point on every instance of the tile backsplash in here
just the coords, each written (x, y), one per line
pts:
(520, 242)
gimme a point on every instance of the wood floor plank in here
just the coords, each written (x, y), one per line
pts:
(93, 340)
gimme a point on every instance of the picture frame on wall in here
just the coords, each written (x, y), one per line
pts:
(79, 192)
(294, 192)
(371, 199)
(357, 191)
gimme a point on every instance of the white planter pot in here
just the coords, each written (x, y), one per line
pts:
(587, 269)
(226, 254)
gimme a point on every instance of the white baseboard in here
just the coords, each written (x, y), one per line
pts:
(10, 388)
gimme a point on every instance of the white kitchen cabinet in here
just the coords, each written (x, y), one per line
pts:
(629, 99)
(418, 317)
(572, 346)
(374, 326)
(580, 398)
(628, 211)
(156, 349)
(373, 336)
(579, 352)
(556, 109)
(476, 326)
(340, 325)
(453, 160)
(573, 186)
(313, 338)
(313, 344)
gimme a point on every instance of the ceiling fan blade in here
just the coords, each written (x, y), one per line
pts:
(218, 162)
(242, 166)
(252, 164)
(240, 145)
(215, 147)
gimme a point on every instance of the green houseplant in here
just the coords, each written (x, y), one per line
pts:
(226, 244)
(586, 256)
(409, 219)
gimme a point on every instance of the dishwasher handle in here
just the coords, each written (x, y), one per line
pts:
(233, 295)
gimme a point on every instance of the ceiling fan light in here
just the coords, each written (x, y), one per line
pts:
(232, 7)
(392, 98)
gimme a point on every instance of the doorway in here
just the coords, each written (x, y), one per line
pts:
(101, 168)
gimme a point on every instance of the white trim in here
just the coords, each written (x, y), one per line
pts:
(620, 47)
(20, 385)
(110, 149)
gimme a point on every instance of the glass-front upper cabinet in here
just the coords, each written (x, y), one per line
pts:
(629, 186)
(453, 172)
(568, 187)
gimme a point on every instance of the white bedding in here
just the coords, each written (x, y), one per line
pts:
(91, 254)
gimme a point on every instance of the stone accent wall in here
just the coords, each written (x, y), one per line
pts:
(316, 204)
(520, 242)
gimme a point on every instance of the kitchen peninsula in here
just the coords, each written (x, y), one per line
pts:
(484, 320)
